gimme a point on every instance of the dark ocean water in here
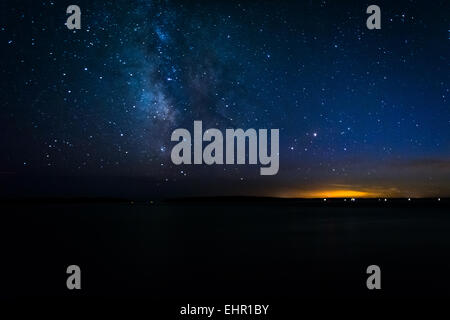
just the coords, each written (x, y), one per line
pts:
(225, 249)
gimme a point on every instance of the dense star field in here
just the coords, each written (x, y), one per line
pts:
(360, 112)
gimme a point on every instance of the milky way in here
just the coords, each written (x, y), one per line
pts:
(356, 108)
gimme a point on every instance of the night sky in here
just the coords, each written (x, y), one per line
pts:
(90, 112)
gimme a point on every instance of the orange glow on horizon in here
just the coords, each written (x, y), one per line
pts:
(342, 193)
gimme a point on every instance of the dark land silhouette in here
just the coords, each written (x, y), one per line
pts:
(198, 249)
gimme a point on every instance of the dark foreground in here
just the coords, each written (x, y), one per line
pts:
(226, 250)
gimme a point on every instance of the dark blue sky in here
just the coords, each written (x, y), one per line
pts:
(358, 110)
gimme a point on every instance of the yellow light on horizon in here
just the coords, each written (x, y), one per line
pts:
(343, 193)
